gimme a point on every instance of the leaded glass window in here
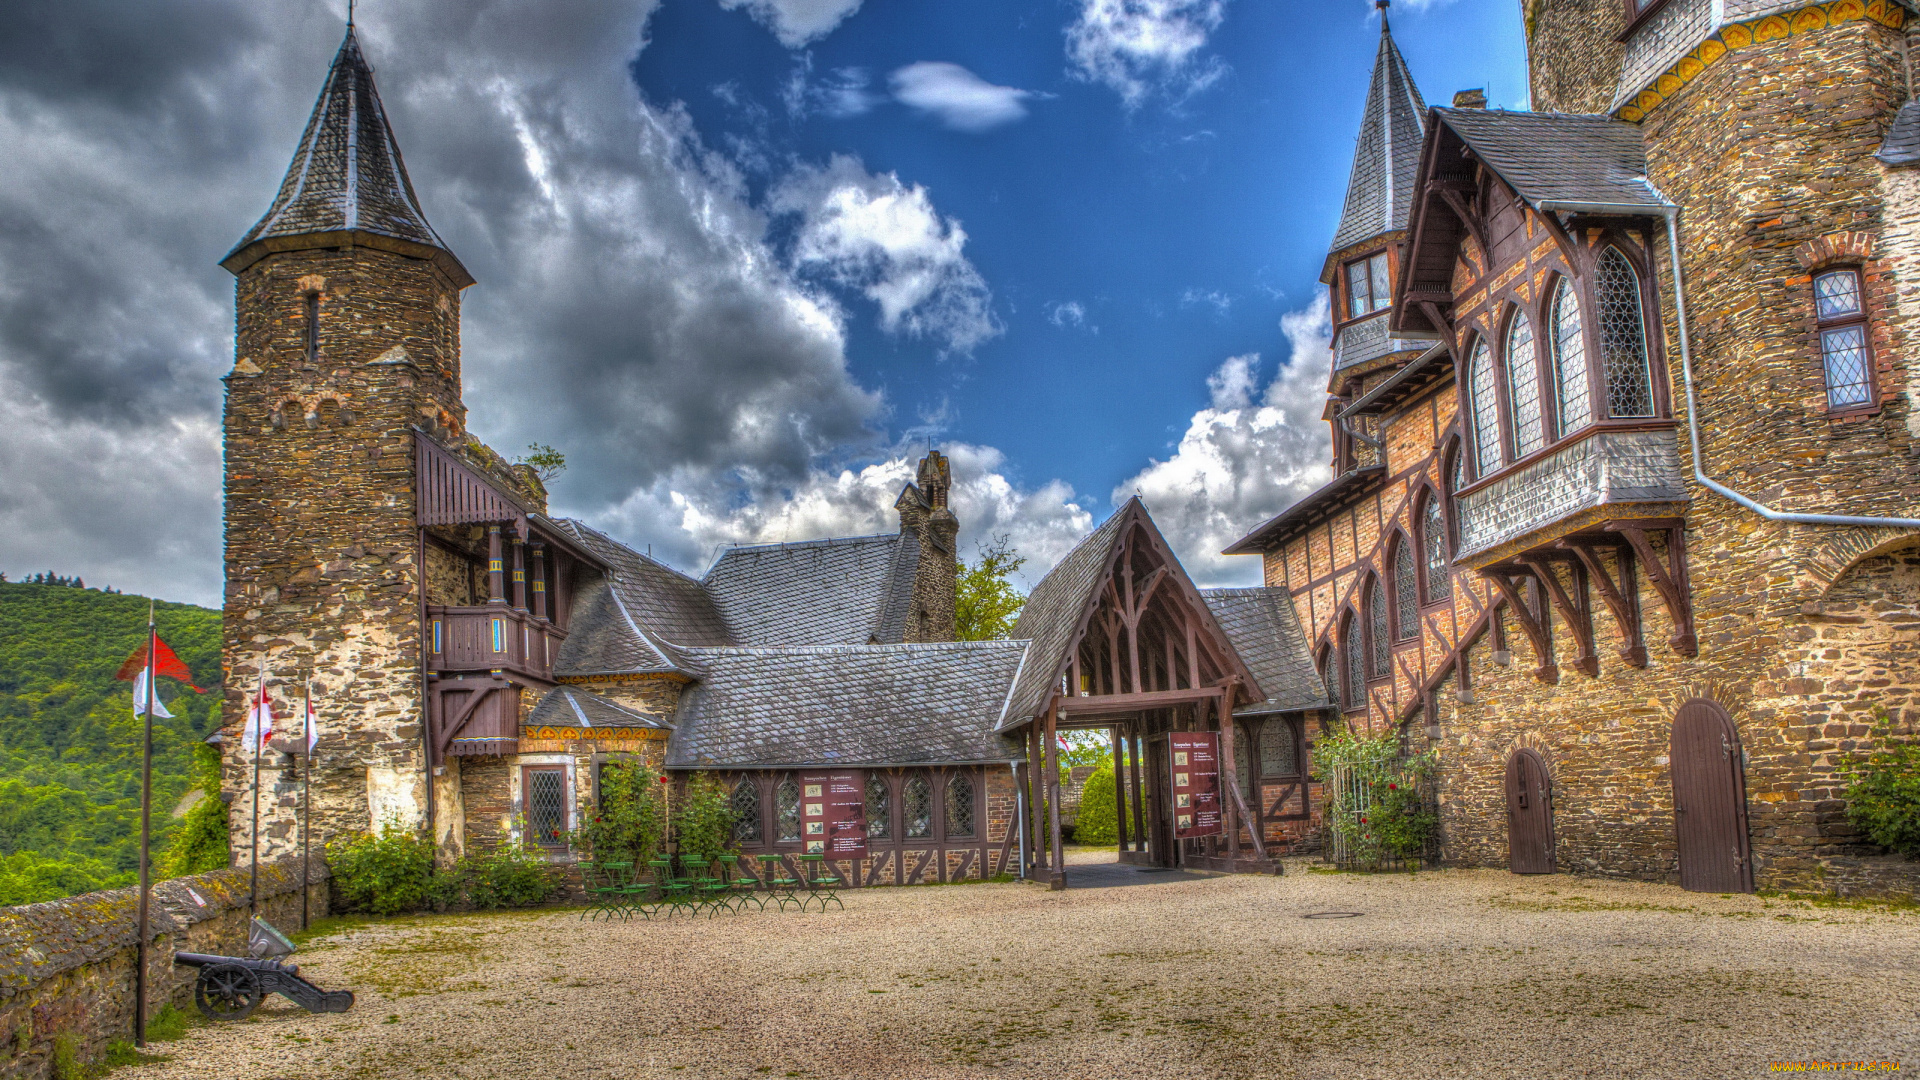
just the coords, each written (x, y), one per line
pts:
(786, 811)
(1570, 360)
(1523, 388)
(879, 808)
(1355, 649)
(1843, 339)
(1433, 532)
(1377, 644)
(1623, 336)
(1279, 753)
(959, 806)
(916, 808)
(1330, 674)
(746, 811)
(1367, 287)
(1406, 593)
(1245, 769)
(547, 805)
(1486, 410)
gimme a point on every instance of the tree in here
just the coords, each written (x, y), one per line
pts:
(1095, 823)
(986, 602)
(546, 462)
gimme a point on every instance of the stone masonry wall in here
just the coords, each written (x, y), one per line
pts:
(67, 966)
(1575, 61)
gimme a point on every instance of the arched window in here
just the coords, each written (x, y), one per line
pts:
(1623, 336)
(1279, 749)
(1378, 647)
(746, 811)
(786, 811)
(1486, 410)
(1433, 536)
(1355, 650)
(959, 806)
(1330, 673)
(916, 808)
(879, 808)
(1406, 593)
(1245, 769)
(1523, 387)
(1570, 360)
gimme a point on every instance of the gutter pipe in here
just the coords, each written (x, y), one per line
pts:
(1672, 215)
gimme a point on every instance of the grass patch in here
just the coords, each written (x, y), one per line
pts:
(1902, 904)
(171, 1024)
(1587, 903)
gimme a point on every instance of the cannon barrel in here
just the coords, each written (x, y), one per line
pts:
(194, 959)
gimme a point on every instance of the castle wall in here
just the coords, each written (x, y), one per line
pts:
(1575, 59)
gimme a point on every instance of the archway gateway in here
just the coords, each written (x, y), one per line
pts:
(1123, 641)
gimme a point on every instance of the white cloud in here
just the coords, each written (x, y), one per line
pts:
(962, 100)
(885, 238)
(840, 94)
(1071, 313)
(1139, 47)
(1220, 302)
(797, 22)
(1244, 457)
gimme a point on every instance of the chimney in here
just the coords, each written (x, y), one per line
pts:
(1470, 99)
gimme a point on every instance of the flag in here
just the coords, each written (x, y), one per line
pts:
(259, 727)
(312, 721)
(140, 697)
(166, 664)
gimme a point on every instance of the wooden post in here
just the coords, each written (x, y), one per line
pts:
(1119, 788)
(1059, 878)
(1036, 802)
(1229, 773)
(540, 581)
(1139, 784)
(496, 574)
(519, 573)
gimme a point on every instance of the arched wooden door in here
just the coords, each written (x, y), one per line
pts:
(1529, 814)
(1710, 800)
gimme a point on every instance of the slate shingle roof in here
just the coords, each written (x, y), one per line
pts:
(1902, 144)
(1053, 612)
(1265, 631)
(347, 173)
(570, 706)
(634, 621)
(860, 705)
(1559, 157)
(817, 592)
(1386, 155)
(602, 638)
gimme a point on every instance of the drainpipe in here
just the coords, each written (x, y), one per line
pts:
(1672, 215)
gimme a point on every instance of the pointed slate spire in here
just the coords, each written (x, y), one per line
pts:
(1387, 154)
(347, 177)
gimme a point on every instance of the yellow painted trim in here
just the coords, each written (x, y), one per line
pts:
(643, 734)
(1736, 36)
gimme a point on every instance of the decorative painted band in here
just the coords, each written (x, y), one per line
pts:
(1741, 35)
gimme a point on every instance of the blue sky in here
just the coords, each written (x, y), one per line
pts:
(740, 260)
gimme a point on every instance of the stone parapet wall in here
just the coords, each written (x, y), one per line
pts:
(67, 966)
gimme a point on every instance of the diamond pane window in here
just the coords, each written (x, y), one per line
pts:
(1382, 292)
(1623, 336)
(916, 808)
(1367, 288)
(879, 808)
(1845, 353)
(1330, 674)
(1570, 360)
(1523, 388)
(1406, 593)
(1433, 531)
(1378, 647)
(746, 811)
(959, 807)
(786, 811)
(1356, 694)
(1837, 294)
(1486, 410)
(1279, 754)
(547, 806)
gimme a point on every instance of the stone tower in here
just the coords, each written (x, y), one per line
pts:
(924, 513)
(347, 339)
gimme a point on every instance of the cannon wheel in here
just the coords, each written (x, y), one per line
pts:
(227, 992)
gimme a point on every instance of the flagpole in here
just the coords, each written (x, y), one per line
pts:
(306, 793)
(259, 700)
(146, 821)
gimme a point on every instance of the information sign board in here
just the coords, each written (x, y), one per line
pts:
(833, 814)
(1195, 760)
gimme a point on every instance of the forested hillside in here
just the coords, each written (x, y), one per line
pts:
(70, 743)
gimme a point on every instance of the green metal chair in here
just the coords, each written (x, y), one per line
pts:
(740, 886)
(675, 892)
(710, 888)
(606, 888)
(823, 883)
(639, 897)
(783, 889)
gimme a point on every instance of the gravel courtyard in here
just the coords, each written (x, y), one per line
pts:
(1451, 973)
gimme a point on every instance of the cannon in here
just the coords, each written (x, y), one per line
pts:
(231, 987)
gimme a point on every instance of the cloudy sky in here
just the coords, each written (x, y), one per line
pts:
(741, 260)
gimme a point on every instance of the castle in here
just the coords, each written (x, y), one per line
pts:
(1621, 524)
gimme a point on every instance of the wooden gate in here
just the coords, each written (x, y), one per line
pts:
(1710, 800)
(1529, 814)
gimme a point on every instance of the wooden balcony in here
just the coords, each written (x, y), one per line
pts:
(489, 638)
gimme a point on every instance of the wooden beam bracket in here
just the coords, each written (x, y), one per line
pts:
(1579, 615)
(1670, 581)
(1547, 672)
(1622, 597)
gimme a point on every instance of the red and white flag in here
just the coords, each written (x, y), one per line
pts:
(312, 721)
(140, 669)
(259, 729)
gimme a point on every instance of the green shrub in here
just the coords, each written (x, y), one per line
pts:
(169, 1023)
(1095, 823)
(1381, 810)
(200, 843)
(66, 1058)
(1883, 800)
(385, 874)
(508, 877)
(703, 820)
(627, 824)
